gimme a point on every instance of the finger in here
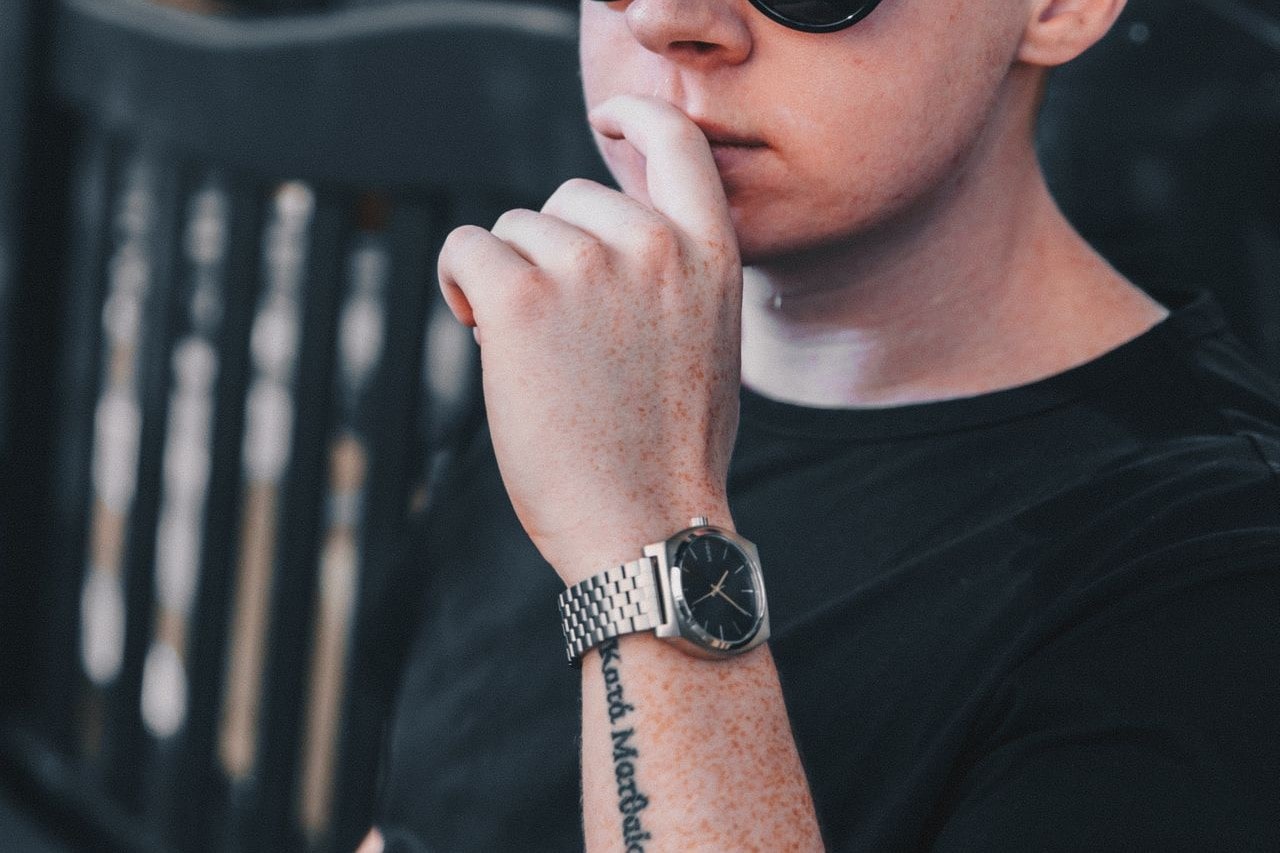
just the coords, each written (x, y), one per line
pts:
(473, 267)
(372, 843)
(614, 219)
(550, 243)
(681, 174)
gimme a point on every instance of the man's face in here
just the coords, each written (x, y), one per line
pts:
(827, 135)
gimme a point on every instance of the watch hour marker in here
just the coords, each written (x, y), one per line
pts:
(740, 568)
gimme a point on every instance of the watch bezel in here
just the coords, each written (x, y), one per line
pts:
(679, 624)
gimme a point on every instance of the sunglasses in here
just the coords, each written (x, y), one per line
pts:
(816, 16)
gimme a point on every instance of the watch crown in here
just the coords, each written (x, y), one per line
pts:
(699, 521)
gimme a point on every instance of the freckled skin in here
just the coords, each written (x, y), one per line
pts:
(610, 323)
(647, 422)
(696, 811)
(862, 122)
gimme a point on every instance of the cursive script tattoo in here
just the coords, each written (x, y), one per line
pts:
(631, 801)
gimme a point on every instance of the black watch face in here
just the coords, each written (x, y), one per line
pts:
(718, 588)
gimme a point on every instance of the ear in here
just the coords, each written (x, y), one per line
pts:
(1060, 30)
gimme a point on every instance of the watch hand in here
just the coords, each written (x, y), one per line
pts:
(715, 589)
(731, 601)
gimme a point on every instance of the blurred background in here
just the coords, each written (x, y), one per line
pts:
(226, 378)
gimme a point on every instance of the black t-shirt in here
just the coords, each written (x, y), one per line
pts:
(1042, 618)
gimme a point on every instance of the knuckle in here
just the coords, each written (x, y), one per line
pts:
(578, 185)
(455, 246)
(526, 292)
(511, 219)
(656, 243)
(459, 237)
(563, 197)
(723, 258)
(591, 255)
(558, 196)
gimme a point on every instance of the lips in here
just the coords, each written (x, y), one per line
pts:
(735, 152)
(722, 136)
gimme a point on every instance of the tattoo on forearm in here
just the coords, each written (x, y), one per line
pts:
(631, 801)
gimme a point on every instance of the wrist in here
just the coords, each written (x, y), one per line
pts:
(604, 542)
(700, 588)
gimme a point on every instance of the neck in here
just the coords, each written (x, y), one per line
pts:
(986, 286)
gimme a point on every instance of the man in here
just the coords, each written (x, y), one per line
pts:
(1018, 521)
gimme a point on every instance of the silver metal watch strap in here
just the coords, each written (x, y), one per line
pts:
(620, 600)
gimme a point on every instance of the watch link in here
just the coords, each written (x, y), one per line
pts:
(702, 590)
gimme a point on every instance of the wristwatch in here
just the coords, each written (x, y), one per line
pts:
(702, 589)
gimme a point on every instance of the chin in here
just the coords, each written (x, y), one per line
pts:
(824, 228)
(763, 239)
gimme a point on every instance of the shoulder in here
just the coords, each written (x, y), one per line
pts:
(1207, 368)
(1199, 468)
(1138, 701)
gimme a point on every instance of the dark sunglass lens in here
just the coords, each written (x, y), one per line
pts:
(817, 15)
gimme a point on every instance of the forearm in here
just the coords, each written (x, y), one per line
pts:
(610, 329)
(680, 753)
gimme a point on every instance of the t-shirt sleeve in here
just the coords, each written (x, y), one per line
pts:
(1154, 726)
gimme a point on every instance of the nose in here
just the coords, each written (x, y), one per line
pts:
(693, 33)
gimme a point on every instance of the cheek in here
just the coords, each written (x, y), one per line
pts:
(602, 42)
(866, 133)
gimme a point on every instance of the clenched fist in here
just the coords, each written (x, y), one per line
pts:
(609, 330)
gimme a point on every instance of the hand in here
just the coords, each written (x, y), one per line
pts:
(609, 331)
(372, 842)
